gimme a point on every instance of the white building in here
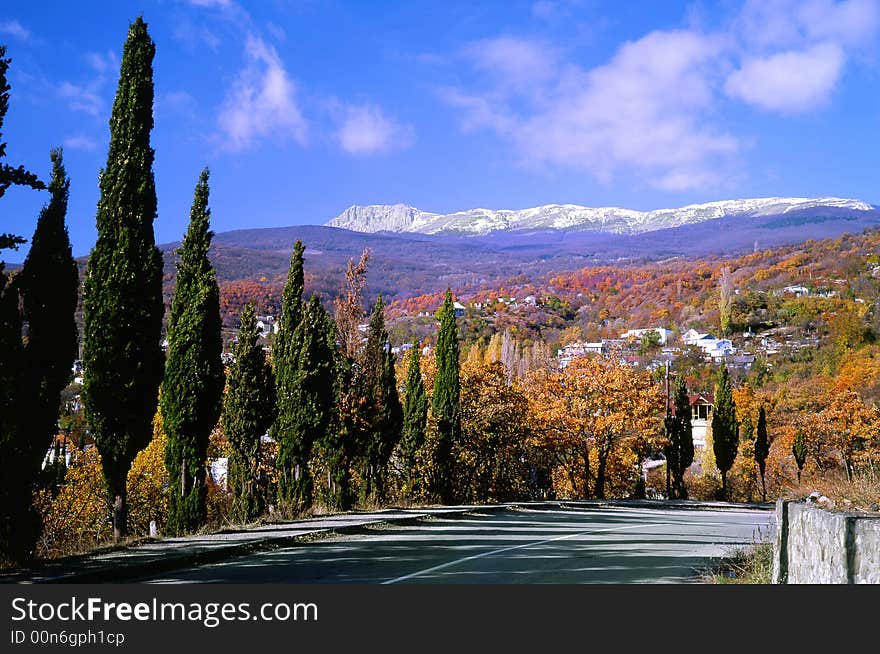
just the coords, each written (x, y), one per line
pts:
(693, 337)
(639, 333)
(702, 405)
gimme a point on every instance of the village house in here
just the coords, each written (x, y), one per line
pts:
(701, 405)
(796, 289)
(267, 325)
(712, 348)
(400, 349)
(637, 334)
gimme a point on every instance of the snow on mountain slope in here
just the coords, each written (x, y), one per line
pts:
(403, 218)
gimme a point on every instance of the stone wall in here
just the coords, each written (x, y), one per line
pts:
(816, 546)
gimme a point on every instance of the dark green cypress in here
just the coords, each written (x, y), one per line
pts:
(285, 354)
(799, 451)
(49, 284)
(725, 430)
(445, 401)
(12, 505)
(338, 446)
(248, 411)
(16, 515)
(680, 452)
(762, 448)
(382, 405)
(305, 413)
(122, 297)
(291, 314)
(192, 390)
(415, 414)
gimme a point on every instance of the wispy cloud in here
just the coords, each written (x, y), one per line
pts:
(91, 96)
(80, 142)
(103, 63)
(365, 130)
(14, 29)
(211, 3)
(82, 98)
(515, 64)
(262, 102)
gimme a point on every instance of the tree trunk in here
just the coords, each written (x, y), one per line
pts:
(763, 486)
(120, 510)
(586, 473)
(668, 477)
(600, 475)
(723, 485)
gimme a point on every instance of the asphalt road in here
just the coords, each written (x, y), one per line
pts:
(584, 545)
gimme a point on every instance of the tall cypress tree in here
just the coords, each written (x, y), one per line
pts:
(382, 405)
(338, 446)
(799, 451)
(306, 412)
(762, 448)
(192, 390)
(725, 430)
(248, 411)
(415, 414)
(291, 314)
(285, 359)
(13, 544)
(445, 402)
(680, 453)
(122, 297)
(13, 507)
(39, 370)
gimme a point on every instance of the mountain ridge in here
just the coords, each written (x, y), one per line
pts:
(402, 218)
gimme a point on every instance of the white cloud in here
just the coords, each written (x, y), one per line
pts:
(15, 29)
(790, 24)
(652, 109)
(80, 142)
(793, 52)
(262, 102)
(82, 98)
(365, 130)
(789, 82)
(642, 111)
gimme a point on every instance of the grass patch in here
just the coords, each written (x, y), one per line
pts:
(752, 564)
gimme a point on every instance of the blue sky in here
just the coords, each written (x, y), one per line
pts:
(303, 108)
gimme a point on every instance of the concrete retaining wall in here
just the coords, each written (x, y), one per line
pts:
(815, 546)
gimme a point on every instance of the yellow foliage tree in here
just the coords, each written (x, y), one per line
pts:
(147, 484)
(492, 456)
(78, 518)
(600, 406)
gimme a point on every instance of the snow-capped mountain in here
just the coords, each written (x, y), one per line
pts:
(403, 218)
